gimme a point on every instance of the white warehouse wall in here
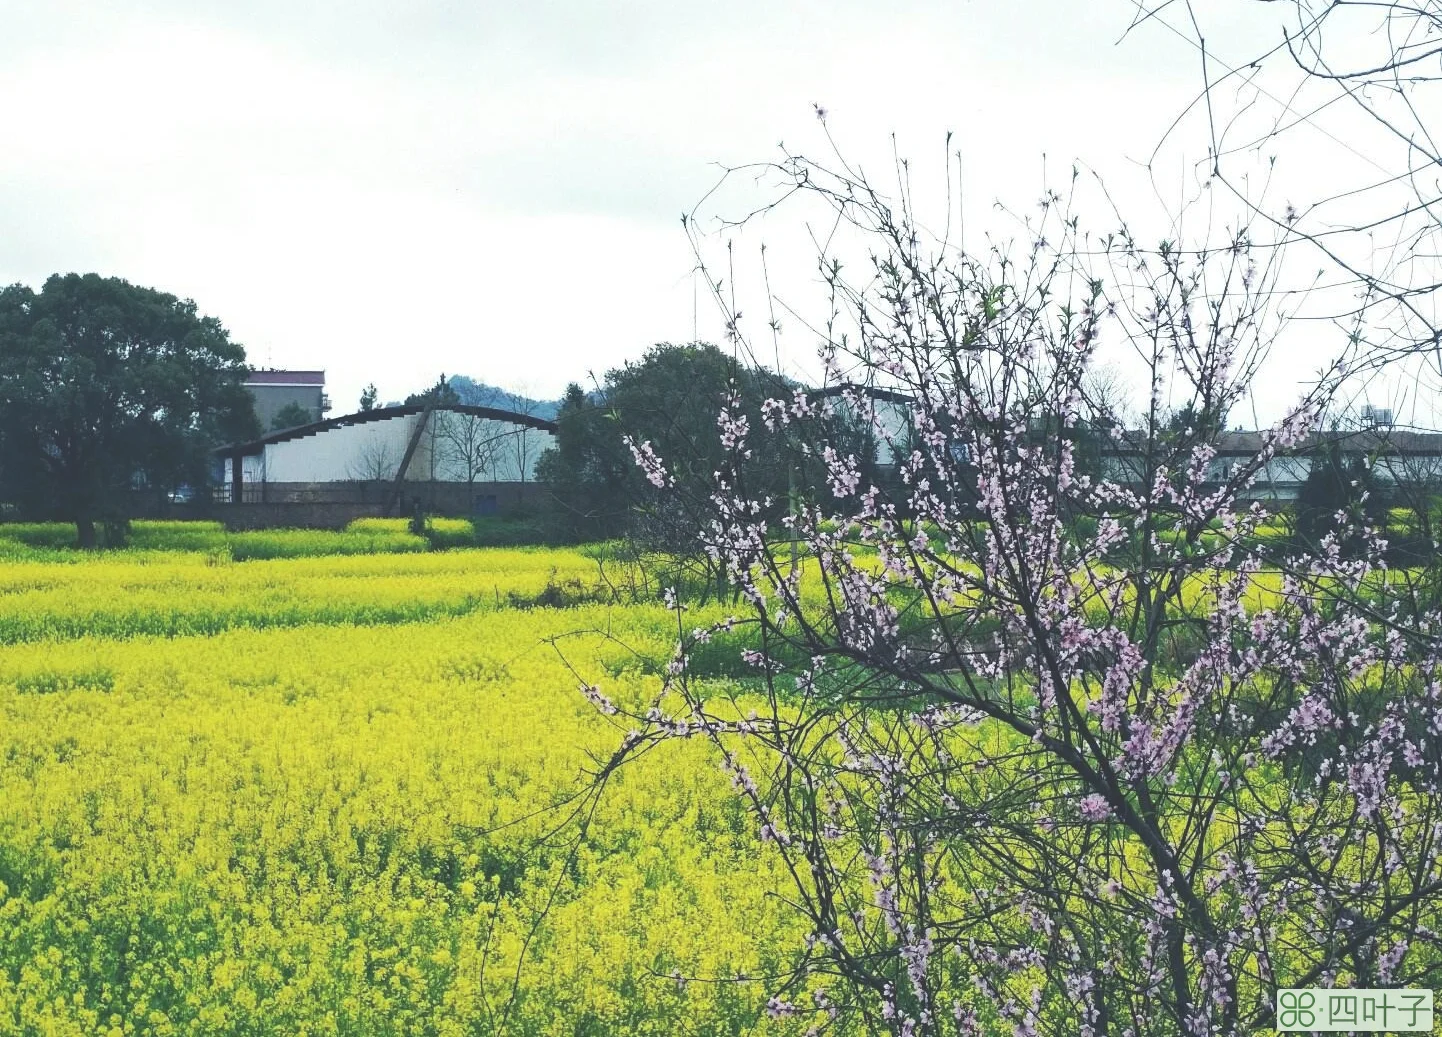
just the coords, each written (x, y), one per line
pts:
(370, 450)
(500, 450)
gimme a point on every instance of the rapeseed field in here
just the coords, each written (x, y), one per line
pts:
(343, 795)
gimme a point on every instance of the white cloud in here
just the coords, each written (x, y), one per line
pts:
(494, 190)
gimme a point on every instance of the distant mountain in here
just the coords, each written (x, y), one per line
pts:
(480, 394)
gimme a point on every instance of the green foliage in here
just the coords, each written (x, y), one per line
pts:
(1414, 533)
(509, 532)
(585, 471)
(377, 526)
(368, 398)
(54, 540)
(442, 533)
(441, 393)
(291, 416)
(1336, 484)
(671, 399)
(455, 533)
(105, 385)
(486, 532)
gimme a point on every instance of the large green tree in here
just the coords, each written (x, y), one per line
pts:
(291, 416)
(106, 386)
(1336, 483)
(671, 399)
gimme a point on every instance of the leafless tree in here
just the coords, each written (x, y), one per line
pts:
(467, 444)
(375, 462)
(1108, 396)
(1367, 76)
(1034, 754)
(1409, 470)
(523, 446)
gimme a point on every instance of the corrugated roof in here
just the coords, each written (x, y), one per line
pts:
(256, 446)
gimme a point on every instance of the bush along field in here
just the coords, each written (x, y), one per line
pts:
(347, 795)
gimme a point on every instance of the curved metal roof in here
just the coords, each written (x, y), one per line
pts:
(875, 392)
(256, 446)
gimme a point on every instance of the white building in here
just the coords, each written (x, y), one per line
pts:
(453, 443)
(274, 391)
(1397, 457)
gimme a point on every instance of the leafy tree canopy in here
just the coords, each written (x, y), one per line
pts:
(291, 415)
(1335, 483)
(105, 386)
(670, 398)
(441, 392)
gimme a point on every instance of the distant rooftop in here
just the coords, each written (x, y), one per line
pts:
(273, 377)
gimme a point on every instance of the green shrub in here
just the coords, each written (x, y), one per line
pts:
(445, 533)
(509, 532)
(40, 534)
(177, 535)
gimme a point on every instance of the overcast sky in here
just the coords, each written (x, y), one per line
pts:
(389, 191)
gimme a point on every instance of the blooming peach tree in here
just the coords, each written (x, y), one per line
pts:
(1051, 736)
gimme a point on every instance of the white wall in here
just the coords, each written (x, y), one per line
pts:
(1412, 470)
(370, 450)
(890, 426)
(252, 469)
(374, 449)
(503, 451)
(1278, 477)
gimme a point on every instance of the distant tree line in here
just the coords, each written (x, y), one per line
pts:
(667, 404)
(107, 388)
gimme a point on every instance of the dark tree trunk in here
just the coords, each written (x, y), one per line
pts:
(117, 532)
(85, 533)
